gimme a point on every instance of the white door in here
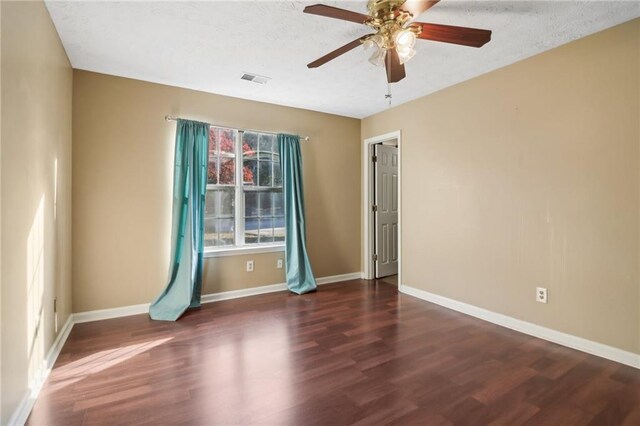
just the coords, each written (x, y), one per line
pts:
(386, 209)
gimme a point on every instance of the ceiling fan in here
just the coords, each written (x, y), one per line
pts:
(395, 33)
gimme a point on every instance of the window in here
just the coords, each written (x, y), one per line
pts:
(244, 205)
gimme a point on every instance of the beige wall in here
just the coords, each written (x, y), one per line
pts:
(528, 176)
(122, 171)
(36, 234)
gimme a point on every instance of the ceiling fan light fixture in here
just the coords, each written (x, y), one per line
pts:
(405, 53)
(405, 38)
(378, 57)
(379, 52)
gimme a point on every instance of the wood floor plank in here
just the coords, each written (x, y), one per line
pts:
(350, 353)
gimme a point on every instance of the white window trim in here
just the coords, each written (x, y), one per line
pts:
(238, 250)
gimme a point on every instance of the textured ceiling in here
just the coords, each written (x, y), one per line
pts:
(207, 46)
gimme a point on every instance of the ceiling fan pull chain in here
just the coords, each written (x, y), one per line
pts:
(388, 96)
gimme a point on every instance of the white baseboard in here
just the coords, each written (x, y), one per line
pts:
(236, 294)
(102, 314)
(338, 278)
(23, 410)
(571, 341)
(253, 291)
(143, 308)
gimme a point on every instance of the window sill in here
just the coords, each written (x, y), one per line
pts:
(237, 251)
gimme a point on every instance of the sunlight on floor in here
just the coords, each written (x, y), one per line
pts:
(77, 370)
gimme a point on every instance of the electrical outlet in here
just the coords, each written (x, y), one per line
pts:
(541, 294)
(249, 265)
(279, 263)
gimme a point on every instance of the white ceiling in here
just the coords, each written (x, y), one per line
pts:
(208, 45)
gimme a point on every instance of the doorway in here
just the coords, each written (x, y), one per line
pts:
(382, 207)
(385, 208)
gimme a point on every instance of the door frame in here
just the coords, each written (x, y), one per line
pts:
(367, 197)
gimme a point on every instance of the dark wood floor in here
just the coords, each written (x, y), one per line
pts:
(354, 352)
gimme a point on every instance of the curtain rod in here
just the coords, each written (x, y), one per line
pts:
(170, 118)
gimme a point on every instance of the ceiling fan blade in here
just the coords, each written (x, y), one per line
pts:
(416, 7)
(339, 51)
(337, 13)
(456, 35)
(395, 70)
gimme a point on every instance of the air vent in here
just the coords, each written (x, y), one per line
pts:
(260, 79)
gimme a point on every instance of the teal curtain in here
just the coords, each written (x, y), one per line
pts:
(300, 278)
(187, 233)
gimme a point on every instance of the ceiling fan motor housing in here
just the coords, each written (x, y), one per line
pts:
(387, 18)
(382, 8)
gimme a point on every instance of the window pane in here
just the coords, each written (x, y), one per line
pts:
(220, 203)
(266, 230)
(210, 203)
(226, 232)
(213, 140)
(249, 143)
(219, 222)
(227, 138)
(278, 228)
(266, 144)
(278, 204)
(251, 204)
(227, 171)
(277, 175)
(212, 172)
(264, 173)
(251, 229)
(249, 172)
(261, 226)
(266, 209)
(225, 204)
(210, 235)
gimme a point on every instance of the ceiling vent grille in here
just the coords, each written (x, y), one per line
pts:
(260, 79)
